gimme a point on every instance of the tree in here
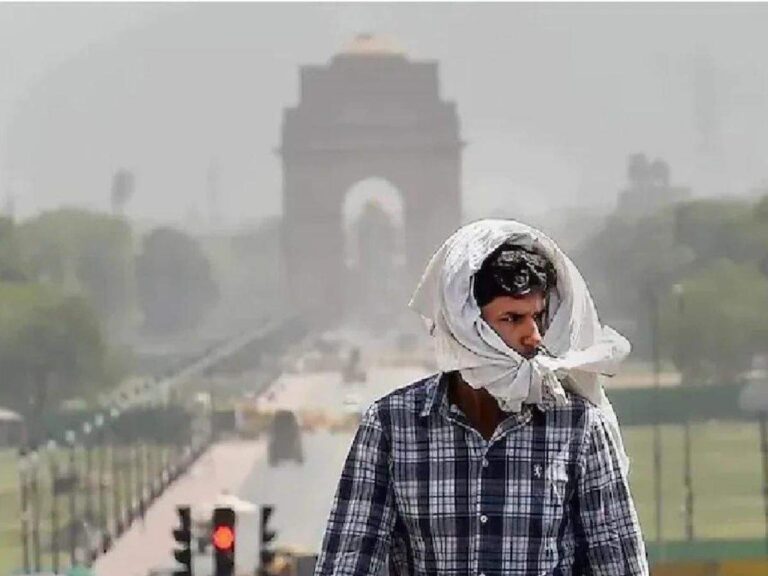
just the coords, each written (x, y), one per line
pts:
(623, 260)
(11, 266)
(51, 349)
(716, 321)
(174, 281)
(722, 229)
(87, 253)
(629, 255)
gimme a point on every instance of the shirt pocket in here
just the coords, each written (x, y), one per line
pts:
(551, 496)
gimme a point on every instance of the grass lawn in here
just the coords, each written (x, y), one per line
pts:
(726, 479)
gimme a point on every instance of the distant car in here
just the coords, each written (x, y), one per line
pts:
(284, 439)
(161, 572)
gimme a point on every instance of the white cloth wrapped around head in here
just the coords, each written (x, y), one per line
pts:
(583, 352)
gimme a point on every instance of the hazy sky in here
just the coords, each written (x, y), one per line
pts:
(552, 98)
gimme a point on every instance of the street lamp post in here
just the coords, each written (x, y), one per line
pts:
(117, 508)
(35, 498)
(72, 485)
(140, 480)
(88, 445)
(54, 471)
(99, 424)
(763, 419)
(654, 303)
(679, 292)
(129, 484)
(23, 479)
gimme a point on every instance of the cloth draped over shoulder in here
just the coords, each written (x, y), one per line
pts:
(581, 353)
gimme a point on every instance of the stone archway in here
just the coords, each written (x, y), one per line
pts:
(374, 250)
(369, 113)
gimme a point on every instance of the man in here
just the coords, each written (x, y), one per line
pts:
(509, 460)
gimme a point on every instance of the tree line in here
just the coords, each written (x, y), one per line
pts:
(700, 268)
(72, 281)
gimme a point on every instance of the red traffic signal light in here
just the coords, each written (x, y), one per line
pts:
(223, 537)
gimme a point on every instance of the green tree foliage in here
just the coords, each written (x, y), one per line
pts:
(174, 281)
(85, 253)
(722, 229)
(631, 256)
(51, 349)
(716, 321)
(11, 266)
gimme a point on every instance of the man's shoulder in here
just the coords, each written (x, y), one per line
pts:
(410, 395)
(409, 399)
(577, 411)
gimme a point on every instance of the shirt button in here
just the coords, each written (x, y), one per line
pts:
(485, 463)
(483, 519)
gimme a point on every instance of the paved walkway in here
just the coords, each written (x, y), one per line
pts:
(301, 494)
(149, 544)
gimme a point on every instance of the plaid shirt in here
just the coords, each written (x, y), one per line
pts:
(421, 487)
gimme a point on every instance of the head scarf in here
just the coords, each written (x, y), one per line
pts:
(581, 352)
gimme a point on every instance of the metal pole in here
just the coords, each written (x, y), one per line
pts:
(117, 508)
(688, 481)
(23, 479)
(102, 480)
(152, 468)
(129, 482)
(72, 472)
(679, 292)
(54, 511)
(140, 478)
(764, 450)
(88, 445)
(656, 424)
(35, 493)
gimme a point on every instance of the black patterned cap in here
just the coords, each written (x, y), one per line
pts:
(513, 270)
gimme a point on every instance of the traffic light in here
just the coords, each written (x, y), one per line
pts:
(223, 540)
(183, 536)
(266, 554)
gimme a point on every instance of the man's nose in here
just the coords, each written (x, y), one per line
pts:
(533, 337)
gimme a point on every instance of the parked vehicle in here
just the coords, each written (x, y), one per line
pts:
(284, 439)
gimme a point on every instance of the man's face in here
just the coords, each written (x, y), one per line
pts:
(517, 321)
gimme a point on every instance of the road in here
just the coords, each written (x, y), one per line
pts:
(300, 493)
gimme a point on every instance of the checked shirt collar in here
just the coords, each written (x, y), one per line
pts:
(437, 402)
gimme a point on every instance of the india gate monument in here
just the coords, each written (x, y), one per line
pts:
(370, 113)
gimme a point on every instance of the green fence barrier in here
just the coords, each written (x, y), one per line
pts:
(706, 550)
(674, 405)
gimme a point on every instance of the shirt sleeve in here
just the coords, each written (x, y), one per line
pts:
(358, 535)
(608, 531)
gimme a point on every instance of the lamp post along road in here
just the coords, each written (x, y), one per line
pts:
(23, 478)
(102, 523)
(35, 498)
(72, 485)
(654, 317)
(679, 293)
(54, 471)
(764, 450)
(88, 447)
